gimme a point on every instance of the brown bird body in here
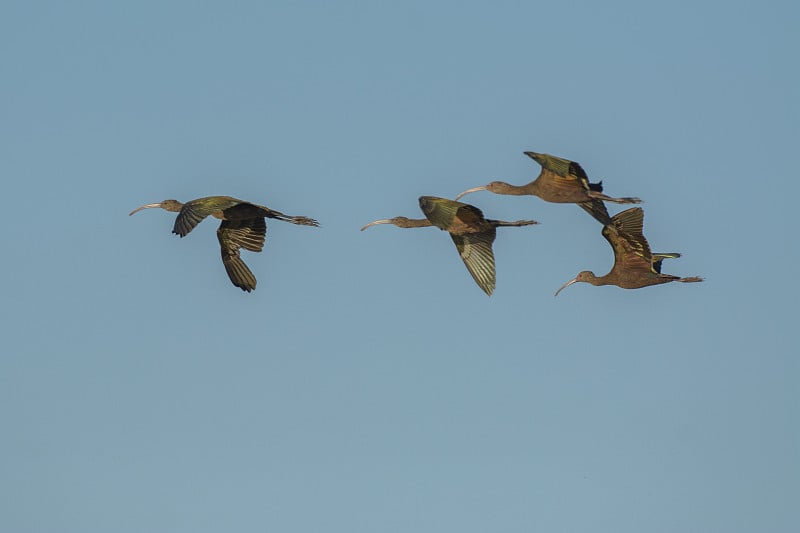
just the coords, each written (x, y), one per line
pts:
(242, 226)
(634, 265)
(560, 181)
(472, 233)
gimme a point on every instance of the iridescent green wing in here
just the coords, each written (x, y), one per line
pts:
(452, 216)
(192, 213)
(556, 165)
(566, 169)
(232, 236)
(440, 211)
(476, 252)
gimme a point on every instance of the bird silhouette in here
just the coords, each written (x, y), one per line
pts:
(560, 181)
(242, 226)
(634, 265)
(472, 233)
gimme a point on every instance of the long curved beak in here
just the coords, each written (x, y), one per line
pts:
(564, 286)
(381, 221)
(474, 189)
(145, 206)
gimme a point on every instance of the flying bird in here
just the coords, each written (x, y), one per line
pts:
(242, 226)
(634, 265)
(560, 181)
(472, 234)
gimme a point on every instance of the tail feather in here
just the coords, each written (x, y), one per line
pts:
(515, 223)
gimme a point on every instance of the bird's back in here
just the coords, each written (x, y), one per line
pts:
(455, 217)
(194, 211)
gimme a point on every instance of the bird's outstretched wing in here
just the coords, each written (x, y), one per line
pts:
(597, 208)
(194, 211)
(476, 252)
(188, 218)
(248, 234)
(631, 250)
(564, 173)
(452, 216)
(236, 234)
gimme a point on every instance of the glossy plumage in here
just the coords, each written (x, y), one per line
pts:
(634, 265)
(560, 181)
(472, 234)
(242, 226)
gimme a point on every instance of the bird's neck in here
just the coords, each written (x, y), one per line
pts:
(602, 280)
(417, 223)
(517, 190)
(598, 280)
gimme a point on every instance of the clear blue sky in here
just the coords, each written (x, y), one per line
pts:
(368, 385)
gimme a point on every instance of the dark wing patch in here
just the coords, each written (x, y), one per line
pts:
(246, 210)
(576, 170)
(476, 252)
(189, 217)
(658, 258)
(469, 215)
(248, 234)
(598, 210)
(232, 236)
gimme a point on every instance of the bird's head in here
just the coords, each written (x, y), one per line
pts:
(497, 187)
(168, 205)
(402, 222)
(475, 189)
(586, 276)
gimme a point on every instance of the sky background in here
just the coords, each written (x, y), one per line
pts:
(368, 385)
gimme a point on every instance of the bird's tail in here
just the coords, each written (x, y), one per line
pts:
(302, 221)
(515, 223)
(606, 198)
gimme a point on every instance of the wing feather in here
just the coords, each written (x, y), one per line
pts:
(476, 252)
(232, 236)
(249, 234)
(631, 250)
(597, 208)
